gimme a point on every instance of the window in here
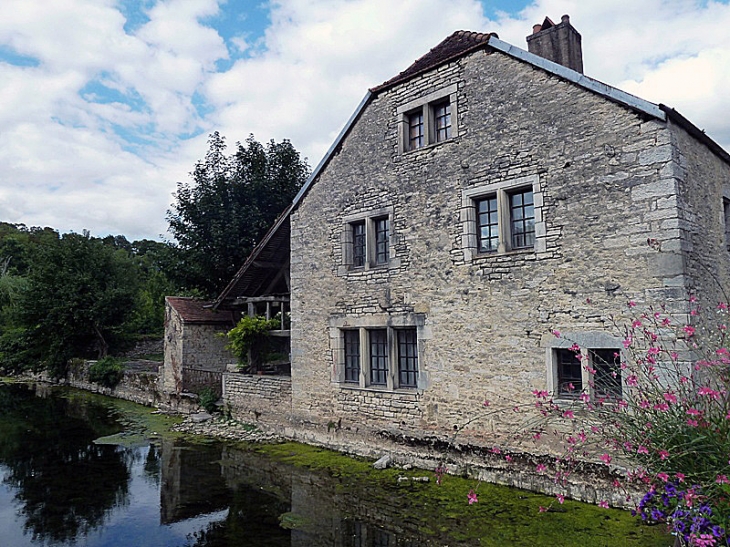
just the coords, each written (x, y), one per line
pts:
(368, 353)
(378, 357)
(366, 241)
(428, 120)
(407, 358)
(352, 356)
(487, 224)
(415, 130)
(607, 377)
(502, 217)
(576, 369)
(522, 219)
(570, 379)
(726, 221)
(442, 118)
(358, 244)
(382, 240)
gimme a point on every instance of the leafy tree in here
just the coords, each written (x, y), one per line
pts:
(229, 205)
(78, 294)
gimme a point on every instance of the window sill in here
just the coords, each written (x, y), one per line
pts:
(511, 252)
(427, 147)
(379, 389)
(362, 270)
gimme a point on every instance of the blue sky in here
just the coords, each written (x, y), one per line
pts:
(106, 104)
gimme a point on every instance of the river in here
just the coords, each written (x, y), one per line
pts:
(68, 478)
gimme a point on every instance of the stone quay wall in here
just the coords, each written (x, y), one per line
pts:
(258, 399)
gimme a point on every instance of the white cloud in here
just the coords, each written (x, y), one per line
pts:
(66, 158)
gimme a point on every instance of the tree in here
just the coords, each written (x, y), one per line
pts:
(78, 294)
(230, 204)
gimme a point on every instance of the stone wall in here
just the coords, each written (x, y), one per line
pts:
(607, 191)
(139, 383)
(258, 399)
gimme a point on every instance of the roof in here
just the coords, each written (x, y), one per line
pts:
(456, 45)
(195, 311)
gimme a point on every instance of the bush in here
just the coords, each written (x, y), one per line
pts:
(208, 399)
(107, 372)
(251, 334)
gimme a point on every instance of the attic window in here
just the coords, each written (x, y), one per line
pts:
(428, 120)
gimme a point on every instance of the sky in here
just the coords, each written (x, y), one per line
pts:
(105, 105)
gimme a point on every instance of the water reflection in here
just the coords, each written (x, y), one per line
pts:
(59, 488)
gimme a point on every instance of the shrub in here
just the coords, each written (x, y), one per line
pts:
(250, 336)
(107, 372)
(208, 399)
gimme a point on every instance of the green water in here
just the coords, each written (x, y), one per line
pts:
(138, 485)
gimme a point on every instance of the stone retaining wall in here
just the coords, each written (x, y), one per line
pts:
(258, 399)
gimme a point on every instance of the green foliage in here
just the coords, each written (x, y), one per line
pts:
(107, 372)
(229, 205)
(250, 338)
(208, 399)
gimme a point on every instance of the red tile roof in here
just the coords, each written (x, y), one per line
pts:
(195, 311)
(456, 45)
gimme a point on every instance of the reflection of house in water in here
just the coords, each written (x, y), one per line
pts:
(192, 483)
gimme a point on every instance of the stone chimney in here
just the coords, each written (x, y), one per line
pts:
(559, 43)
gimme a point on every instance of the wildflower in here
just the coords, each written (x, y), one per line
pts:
(662, 477)
(472, 497)
(642, 450)
(661, 407)
(680, 477)
(663, 454)
(709, 392)
(540, 468)
(582, 436)
(508, 458)
(605, 458)
(560, 498)
(694, 412)
(585, 397)
(627, 342)
(722, 306)
(632, 380)
(569, 414)
(556, 333)
(631, 303)
(636, 323)
(722, 479)
(603, 504)
(542, 509)
(689, 329)
(485, 403)
(692, 423)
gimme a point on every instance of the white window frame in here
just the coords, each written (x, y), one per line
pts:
(586, 342)
(425, 105)
(369, 218)
(502, 190)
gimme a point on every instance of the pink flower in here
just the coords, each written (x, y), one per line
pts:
(661, 407)
(663, 454)
(692, 423)
(662, 477)
(642, 450)
(644, 403)
(689, 329)
(472, 497)
(496, 450)
(605, 458)
(694, 412)
(632, 380)
(485, 403)
(722, 479)
(636, 323)
(680, 477)
(570, 387)
(540, 468)
(560, 498)
(568, 414)
(540, 394)
(585, 397)
(556, 333)
(709, 392)
(542, 509)
(603, 504)
(693, 299)
(722, 306)
(631, 304)
(575, 348)
(627, 342)
(508, 458)
(582, 436)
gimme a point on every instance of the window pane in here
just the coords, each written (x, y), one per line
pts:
(607, 378)
(378, 356)
(407, 358)
(358, 244)
(352, 356)
(415, 130)
(487, 224)
(442, 116)
(522, 219)
(570, 382)
(382, 240)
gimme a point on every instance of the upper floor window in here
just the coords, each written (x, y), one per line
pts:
(502, 217)
(367, 241)
(428, 120)
(415, 130)
(522, 219)
(442, 120)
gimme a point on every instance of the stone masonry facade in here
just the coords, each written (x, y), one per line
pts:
(626, 206)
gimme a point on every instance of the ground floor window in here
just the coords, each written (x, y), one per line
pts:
(580, 370)
(381, 357)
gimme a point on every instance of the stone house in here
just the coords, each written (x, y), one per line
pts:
(194, 352)
(474, 203)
